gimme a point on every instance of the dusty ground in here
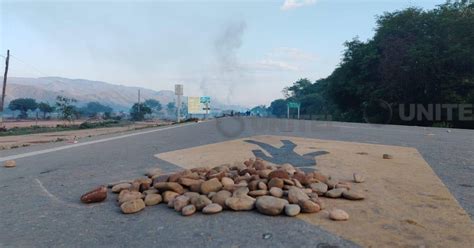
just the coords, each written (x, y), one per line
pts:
(28, 123)
(15, 141)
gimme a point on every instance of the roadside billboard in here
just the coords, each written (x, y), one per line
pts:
(199, 105)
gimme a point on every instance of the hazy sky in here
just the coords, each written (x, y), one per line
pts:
(242, 52)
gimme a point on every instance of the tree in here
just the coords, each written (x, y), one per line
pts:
(23, 105)
(416, 56)
(154, 105)
(278, 107)
(171, 108)
(66, 108)
(94, 108)
(139, 110)
(299, 88)
(45, 108)
(184, 109)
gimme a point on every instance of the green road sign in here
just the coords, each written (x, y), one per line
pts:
(205, 99)
(293, 104)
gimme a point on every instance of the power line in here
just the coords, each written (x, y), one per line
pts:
(27, 64)
(35, 69)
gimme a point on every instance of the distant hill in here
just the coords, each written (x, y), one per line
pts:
(118, 97)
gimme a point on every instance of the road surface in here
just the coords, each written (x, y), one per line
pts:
(40, 197)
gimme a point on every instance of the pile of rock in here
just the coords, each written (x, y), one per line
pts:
(271, 190)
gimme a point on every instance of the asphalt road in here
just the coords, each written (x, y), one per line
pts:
(40, 205)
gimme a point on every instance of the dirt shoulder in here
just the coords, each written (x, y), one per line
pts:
(15, 141)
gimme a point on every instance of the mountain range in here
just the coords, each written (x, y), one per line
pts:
(119, 97)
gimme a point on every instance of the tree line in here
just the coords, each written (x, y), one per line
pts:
(66, 108)
(416, 57)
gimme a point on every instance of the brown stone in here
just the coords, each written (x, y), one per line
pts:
(270, 205)
(135, 186)
(191, 175)
(308, 206)
(253, 185)
(300, 177)
(288, 168)
(264, 173)
(320, 202)
(297, 183)
(191, 195)
(196, 187)
(175, 176)
(292, 210)
(259, 164)
(144, 183)
(9, 164)
(278, 174)
(220, 197)
(320, 177)
(153, 199)
(218, 175)
(250, 171)
(313, 195)
(161, 179)
(126, 195)
(276, 192)
(241, 191)
(152, 172)
(296, 195)
(288, 182)
(338, 215)
(332, 183)
(112, 184)
(358, 178)
(96, 195)
(238, 166)
(249, 163)
(256, 193)
(352, 195)
(188, 210)
(150, 191)
(227, 181)
(276, 182)
(212, 185)
(262, 186)
(132, 206)
(188, 181)
(343, 185)
(168, 196)
(240, 203)
(212, 209)
(201, 202)
(121, 186)
(242, 184)
(387, 156)
(180, 202)
(169, 186)
(335, 193)
(319, 188)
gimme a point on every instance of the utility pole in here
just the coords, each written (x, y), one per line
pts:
(288, 111)
(138, 101)
(178, 91)
(4, 86)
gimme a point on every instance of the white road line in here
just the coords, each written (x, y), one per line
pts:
(55, 149)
